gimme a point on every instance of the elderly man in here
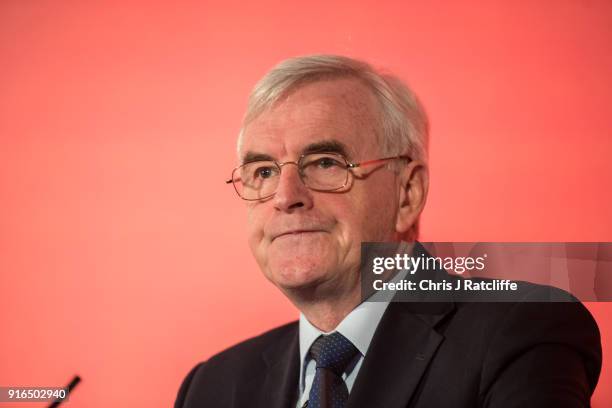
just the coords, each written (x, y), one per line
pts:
(333, 154)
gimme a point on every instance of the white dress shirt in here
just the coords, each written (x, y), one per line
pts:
(358, 327)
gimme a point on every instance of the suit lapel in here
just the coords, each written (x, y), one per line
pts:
(277, 385)
(401, 349)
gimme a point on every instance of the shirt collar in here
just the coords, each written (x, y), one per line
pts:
(358, 326)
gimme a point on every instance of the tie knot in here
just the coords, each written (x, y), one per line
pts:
(333, 351)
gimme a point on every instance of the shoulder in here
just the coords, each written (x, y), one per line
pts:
(249, 352)
(533, 347)
(532, 304)
(220, 372)
(536, 314)
(545, 332)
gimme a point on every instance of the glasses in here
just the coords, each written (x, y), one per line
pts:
(259, 180)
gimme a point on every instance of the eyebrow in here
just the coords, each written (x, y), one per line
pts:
(325, 146)
(250, 157)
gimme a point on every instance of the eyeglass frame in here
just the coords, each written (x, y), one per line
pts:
(349, 167)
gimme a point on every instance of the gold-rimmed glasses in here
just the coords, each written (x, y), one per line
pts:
(258, 180)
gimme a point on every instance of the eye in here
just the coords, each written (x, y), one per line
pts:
(327, 162)
(263, 172)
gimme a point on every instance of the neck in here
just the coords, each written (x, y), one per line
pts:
(326, 312)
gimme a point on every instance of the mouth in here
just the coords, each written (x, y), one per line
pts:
(297, 233)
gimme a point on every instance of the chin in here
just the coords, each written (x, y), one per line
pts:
(296, 275)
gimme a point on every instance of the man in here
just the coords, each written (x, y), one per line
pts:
(333, 154)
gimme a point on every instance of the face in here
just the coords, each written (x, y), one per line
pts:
(304, 239)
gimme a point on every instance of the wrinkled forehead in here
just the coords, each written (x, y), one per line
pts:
(338, 111)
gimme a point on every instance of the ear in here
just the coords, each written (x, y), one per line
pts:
(414, 184)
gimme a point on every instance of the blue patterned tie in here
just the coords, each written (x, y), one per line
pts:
(332, 354)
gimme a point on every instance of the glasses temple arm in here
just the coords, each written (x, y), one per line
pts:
(366, 163)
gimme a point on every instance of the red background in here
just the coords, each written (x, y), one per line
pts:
(123, 255)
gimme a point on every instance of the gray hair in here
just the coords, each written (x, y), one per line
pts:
(404, 124)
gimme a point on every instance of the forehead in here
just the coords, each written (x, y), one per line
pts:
(340, 111)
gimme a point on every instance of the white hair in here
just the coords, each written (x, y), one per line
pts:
(404, 124)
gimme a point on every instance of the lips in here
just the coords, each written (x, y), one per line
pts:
(295, 232)
(286, 226)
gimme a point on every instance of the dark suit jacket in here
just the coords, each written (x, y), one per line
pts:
(443, 354)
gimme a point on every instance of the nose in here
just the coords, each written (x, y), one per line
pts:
(291, 192)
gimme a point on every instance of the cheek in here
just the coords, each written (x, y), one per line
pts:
(350, 226)
(255, 227)
(376, 212)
